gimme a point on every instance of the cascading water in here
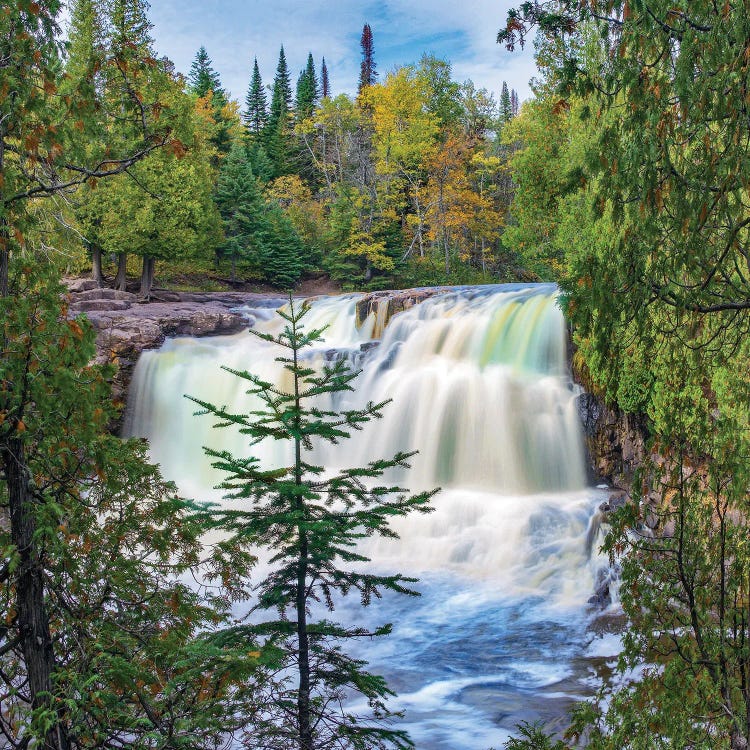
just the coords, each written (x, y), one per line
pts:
(478, 383)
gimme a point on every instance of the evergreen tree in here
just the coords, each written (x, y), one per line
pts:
(367, 72)
(204, 82)
(130, 26)
(282, 250)
(84, 79)
(514, 105)
(203, 78)
(277, 136)
(281, 96)
(85, 42)
(506, 106)
(100, 645)
(325, 84)
(307, 91)
(261, 165)
(240, 204)
(310, 523)
(256, 104)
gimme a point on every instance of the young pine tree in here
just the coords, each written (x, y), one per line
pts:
(310, 523)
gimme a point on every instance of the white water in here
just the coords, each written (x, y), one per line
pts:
(479, 386)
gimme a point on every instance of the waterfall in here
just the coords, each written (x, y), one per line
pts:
(477, 382)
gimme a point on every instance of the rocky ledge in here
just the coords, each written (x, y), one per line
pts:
(125, 325)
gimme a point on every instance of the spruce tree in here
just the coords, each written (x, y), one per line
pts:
(240, 204)
(204, 81)
(307, 90)
(506, 106)
(281, 248)
(281, 97)
(277, 135)
(256, 104)
(367, 72)
(202, 77)
(325, 84)
(310, 523)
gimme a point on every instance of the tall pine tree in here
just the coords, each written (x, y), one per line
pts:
(325, 83)
(506, 105)
(256, 104)
(367, 72)
(278, 139)
(307, 91)
(204, 82)
(240, 204)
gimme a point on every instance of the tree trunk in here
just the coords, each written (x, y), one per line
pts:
(121, 280)
(4, 262)
(33, 622)
(147, 276)
(303, 639)
(234, 268)
(96, 265)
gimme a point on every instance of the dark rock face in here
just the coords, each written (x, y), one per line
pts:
(616, 441)
(126, 326)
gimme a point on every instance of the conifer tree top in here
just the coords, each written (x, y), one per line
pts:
(368, 73)
(202, 77)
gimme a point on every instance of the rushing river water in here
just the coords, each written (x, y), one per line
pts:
(479, 385)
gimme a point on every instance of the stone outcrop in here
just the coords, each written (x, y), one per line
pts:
(125, 326)
(384, 305)
(615, 441)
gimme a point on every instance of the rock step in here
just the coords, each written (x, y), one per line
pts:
(80, 285)
(90, 305)
(106, 293)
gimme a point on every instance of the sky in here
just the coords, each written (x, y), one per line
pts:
(234, 32)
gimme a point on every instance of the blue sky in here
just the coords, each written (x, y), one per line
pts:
(233, 32)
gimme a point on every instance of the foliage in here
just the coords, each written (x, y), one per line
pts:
(277, 135)
(654, 225)
(310, 523)
(102, 539)
(533, 737)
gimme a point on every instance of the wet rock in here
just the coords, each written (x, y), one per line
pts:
(602, 597)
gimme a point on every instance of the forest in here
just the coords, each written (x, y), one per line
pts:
(625, 179)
